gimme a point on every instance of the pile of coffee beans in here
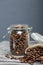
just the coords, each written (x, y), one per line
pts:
(32, 55)
(18, 42)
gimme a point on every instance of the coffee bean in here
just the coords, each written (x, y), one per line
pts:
(17, 52)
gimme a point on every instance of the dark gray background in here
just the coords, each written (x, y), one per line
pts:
(21, 12)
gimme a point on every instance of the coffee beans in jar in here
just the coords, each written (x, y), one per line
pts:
(19, 39)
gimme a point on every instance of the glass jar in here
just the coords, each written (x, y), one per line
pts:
(19, 39)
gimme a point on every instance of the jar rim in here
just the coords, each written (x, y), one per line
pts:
(19, 26)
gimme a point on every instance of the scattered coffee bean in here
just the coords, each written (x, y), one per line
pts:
(32, 55)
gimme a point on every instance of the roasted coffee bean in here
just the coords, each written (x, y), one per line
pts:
(41, 59)
(38, 59)
(17, 52)
(30, 61)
